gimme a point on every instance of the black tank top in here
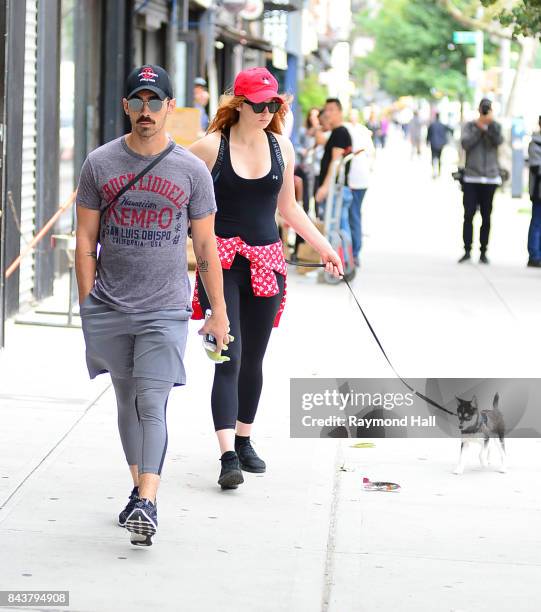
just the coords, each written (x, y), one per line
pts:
(247, 207)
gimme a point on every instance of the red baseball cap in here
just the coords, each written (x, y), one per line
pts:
(257, 85)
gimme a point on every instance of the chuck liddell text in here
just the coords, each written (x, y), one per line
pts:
(356, 421)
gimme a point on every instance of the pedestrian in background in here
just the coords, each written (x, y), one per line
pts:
(480, 140)
(437, 136)
(307, 145)
(415, 129)
(359, 177)
(304, 168)
(337, 145)
(200, 101)
(384, 130)
(322, 134)
(374, 126)
(534, 232)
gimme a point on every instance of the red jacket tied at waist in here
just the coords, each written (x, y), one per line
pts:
(264, 262)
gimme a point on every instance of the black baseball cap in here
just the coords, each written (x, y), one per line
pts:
(151, 77)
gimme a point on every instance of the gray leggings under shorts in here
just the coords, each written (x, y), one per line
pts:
(144, 354)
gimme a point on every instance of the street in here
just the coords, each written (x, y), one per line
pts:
(304, 536)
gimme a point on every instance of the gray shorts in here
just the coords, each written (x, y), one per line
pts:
(144, 344)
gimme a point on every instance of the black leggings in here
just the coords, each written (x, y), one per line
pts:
(237, 383)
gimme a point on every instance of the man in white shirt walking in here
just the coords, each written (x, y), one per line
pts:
(359, 176)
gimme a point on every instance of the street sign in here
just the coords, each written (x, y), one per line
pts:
(464, 38)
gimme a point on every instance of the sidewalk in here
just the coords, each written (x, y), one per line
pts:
(303, 537)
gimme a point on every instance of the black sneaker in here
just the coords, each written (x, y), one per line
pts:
(465, 257)
(483, 259)
(230, 476)
(142, 523)
(248, 458)
(134, 498)
(534, 263)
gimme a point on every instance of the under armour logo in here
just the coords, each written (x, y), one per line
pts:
(274, 177)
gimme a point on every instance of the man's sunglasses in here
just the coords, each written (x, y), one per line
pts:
(136, 105)
(259, 107)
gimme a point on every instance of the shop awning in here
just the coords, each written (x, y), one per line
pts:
(282, 5)
(230, 34)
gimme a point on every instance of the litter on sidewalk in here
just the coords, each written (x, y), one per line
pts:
(379, 485)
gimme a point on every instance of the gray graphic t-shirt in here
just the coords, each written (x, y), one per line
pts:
(142, 259)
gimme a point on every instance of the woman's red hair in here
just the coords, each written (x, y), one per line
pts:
(227, 115)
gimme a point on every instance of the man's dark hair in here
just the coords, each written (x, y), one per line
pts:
(437, 116)
(485, 106)
(334, 101)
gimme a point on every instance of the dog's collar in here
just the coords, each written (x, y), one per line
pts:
(482, 419)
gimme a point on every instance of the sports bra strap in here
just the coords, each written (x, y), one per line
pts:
(277, 150)
(216, 170)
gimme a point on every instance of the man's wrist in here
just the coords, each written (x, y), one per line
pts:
(83, 295)
(218, 308)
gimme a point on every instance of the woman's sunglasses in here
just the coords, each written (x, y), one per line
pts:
(259, 107)
(136, 105)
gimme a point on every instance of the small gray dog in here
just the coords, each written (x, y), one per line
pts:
(480, 427)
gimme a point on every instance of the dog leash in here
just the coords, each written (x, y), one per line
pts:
(406, 384)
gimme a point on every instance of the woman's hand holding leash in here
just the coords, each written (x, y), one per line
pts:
(332, 261)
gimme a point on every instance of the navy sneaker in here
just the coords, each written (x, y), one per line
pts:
(142, 523)
(248, 458)
(134, 498)
(230, 476)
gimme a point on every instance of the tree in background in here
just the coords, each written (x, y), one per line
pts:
(413, 52)
(472, 16)
(503, 19)
(311, 94)
(524, 17)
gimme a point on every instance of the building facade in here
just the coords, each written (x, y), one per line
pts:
(64, 64)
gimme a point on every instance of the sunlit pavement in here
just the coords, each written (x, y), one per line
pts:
(304, 536)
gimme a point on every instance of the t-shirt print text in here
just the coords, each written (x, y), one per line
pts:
(138, 221)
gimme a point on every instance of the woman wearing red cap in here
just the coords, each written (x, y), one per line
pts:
(252, 167)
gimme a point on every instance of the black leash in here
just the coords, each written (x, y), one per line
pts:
(417, 393)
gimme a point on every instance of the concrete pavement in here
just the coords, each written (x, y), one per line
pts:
(303, 537)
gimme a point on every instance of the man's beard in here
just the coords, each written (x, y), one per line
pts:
(147, 131)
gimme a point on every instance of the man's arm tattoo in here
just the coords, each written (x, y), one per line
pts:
(202, 264)
(92, 254)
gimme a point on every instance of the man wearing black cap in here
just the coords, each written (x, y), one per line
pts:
(135, 296)
(480, 139)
